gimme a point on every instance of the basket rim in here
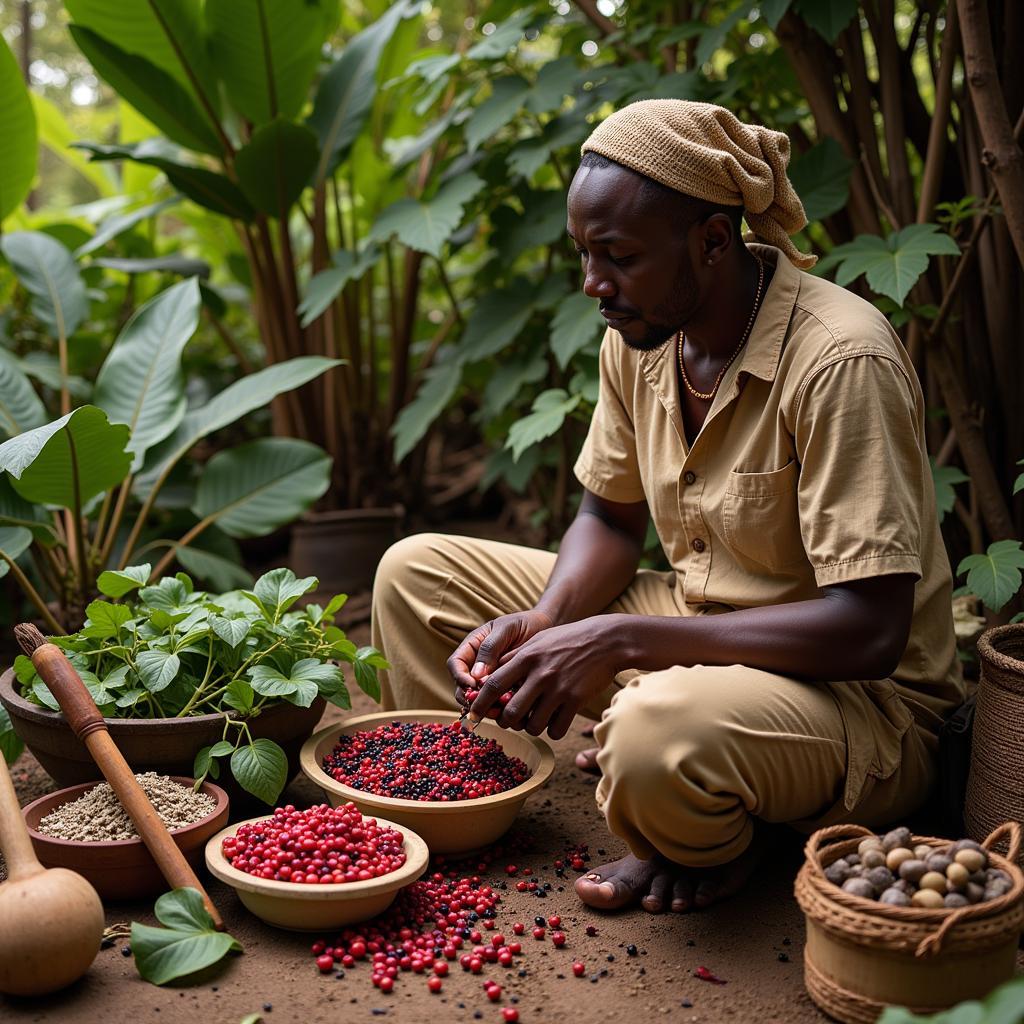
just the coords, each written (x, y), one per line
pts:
(908, 915)
(988, 650)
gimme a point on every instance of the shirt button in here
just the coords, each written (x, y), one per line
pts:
(689, 476)
(697, 545)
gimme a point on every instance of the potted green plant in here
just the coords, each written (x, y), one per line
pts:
(191, 681)
(86, 492)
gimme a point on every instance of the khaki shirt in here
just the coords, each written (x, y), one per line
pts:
(810, 469)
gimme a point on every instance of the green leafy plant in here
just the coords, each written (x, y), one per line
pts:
(187, 943)
(1004, 1005)
(169, 651)
(994, 576)
(86, 491)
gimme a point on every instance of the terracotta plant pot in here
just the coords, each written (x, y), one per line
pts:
(342, 548)
(122, 869)
(164, 745)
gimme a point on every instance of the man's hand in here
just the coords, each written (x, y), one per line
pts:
(557, 671)
(481, 652)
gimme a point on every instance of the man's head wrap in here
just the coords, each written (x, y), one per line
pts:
(705, 151)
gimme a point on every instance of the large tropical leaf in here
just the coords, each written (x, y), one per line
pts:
(14, 541)
(827, 17)
(215, 558)
(16, 511)
(243, 396)
(497, 318)
(57, 136)
(68, 461)
(18, 130)
(260, 485)
(503, 38)
(549, 411)
(183, 266)
(266, 51)
(155, 93)
(821, 177)
(20, 407)
(207, 188)
(346, 92)
(48, 272)
(117, 224)
(412, 423)
(275, 165)
(507, 97)
(996, 575)
(324, 287)
(574, 326)
(141, 382)
(427, 226)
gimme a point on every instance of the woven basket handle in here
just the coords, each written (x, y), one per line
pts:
(823, 835)
(1008, 828)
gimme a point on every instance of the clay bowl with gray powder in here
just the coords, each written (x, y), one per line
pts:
(67, 827)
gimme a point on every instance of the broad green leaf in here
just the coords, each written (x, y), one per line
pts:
(268, 681)
(261, 768)
(576, 324)
(231, 631)
(14, 542)
(189, 943)
(996, 575)
(117, 583)
(345, 94)
(507, 97)
(508, 378)
(201, 763)
(221, 748)
(205, 187)
(119, 223)
(69, 461)
(169, 595)
(157, 669)
(541, 222)
(183, 266)
(714, 36)
(130, 698)
(530, 155)
(365, 665)
(56, 135)
(18, 130)
(141, 382)
(773, 10)
(21, 408)
(16, 511)
(495, 322)
(239, 695)
(325, 287)
(546, 418)
(48, 272)
(279, 589)
(156, 94)
(821, 177)
(11, 745)
(220, 572)
(945, 478)
(243, 396)
(44, 367)
(503, 38)
(436, 391)
(428, 225)
(275, 165)
(557, 79)
(827, 17)
(260, 485)
(267, 51)
(105, 619)
(24, 670)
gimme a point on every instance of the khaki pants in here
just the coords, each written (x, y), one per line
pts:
(689, 756)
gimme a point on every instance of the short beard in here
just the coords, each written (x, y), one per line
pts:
(668, 318)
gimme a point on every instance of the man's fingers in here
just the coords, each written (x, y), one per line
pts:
(494, 686)
(464, 656)
(561, 722)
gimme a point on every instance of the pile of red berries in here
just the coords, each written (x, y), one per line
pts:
(495, 709)
(424, 761)
(317, 846)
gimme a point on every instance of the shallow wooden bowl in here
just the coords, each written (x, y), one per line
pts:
(303, 908)
(123, 869)
(448, 827)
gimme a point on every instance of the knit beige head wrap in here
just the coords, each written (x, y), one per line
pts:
(705, 151)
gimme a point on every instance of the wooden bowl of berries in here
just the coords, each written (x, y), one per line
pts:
(318, 868)
(458, 790)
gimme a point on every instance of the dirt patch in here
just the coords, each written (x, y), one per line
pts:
(754, 942)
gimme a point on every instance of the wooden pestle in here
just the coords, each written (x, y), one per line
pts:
(88, 725)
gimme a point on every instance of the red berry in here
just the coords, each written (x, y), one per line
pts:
(518, 928)
(440, 968)
(558, 938)
(434, 984)
(579, 969)
(494, 993)
(497, 940)
(554, 921)
(515, 947)
(510, 1014)
(538, 932)
(325, 963)
(386, 984)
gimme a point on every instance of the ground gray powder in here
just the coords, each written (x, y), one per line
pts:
(97, 816)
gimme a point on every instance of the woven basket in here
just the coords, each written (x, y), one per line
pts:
(995, 785)
(862, 956)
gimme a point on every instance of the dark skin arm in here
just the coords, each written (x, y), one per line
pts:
(855, 630)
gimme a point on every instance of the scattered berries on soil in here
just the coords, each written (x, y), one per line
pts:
(434, 984)
(424, 761)
(579, 969)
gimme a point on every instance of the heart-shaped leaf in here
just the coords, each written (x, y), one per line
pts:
(157, 669)
(117, 583)
(261, 768)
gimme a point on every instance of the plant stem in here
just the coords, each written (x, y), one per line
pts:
(184, 542)
(33, 595)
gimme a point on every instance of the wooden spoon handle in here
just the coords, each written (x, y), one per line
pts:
(14, 838)
(89, 726)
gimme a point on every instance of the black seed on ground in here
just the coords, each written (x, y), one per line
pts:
(541, 922)
(611, 957)
(522, 973)
(785, 942)
(106, 943)
(631, 949)
(267, 1007)
(600, 852)
(477, 1015)
(339, 975)
(643, 970)
(126, 951)
(593, 979)
(603, 972)
(513, 999)
(686, 1003)
(783, 958)
(690, 942)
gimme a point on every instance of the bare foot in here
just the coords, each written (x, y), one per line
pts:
(660, 884)
(586, 761)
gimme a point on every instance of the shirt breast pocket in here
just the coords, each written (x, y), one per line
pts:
(761, 517)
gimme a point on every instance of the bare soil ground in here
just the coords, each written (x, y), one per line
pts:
(754, 942)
